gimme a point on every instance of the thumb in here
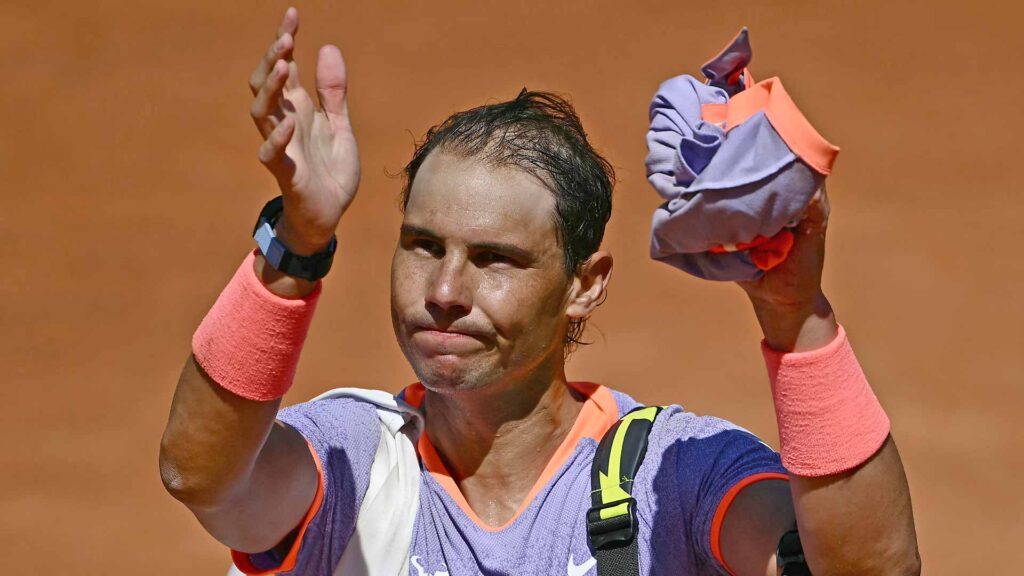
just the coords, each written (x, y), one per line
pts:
(332, 83)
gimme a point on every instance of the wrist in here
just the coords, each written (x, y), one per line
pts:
(797, 326)
(301, 244)
(279, 283)
(250, 340)
(303, 257)
(829, 419)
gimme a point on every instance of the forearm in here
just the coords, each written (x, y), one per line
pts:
(797, 327)
(222, 454)
(213, 436)
(858, 521)
(244, 356)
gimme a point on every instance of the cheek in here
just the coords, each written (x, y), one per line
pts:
(406, 281)
(524, 310)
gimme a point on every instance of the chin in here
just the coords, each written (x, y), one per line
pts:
(448, 374)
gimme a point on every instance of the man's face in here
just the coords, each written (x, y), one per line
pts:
(478, 286)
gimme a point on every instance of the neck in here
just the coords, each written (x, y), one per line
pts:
(495, 441)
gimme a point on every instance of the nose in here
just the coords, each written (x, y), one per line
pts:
(449, 288)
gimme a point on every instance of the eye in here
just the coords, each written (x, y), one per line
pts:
(487, 258)
(427, 246)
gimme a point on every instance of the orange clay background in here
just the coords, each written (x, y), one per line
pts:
(130, 186)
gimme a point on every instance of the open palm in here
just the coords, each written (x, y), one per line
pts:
(311, 152)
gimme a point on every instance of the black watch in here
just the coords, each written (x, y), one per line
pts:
(310, 268)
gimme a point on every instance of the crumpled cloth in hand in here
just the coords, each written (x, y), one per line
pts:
(737, 163)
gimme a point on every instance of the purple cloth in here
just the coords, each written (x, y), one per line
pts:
(723, 71)
(691, 462)
(720, 188)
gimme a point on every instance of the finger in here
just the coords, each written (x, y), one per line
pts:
(279, 49)
(332, 84)
(266, 109)
(289, 22)
(293, 74)
(273, 154)
(290, 25)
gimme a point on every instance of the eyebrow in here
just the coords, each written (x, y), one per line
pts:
(500, 247)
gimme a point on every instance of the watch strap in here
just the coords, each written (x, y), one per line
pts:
(311, 268)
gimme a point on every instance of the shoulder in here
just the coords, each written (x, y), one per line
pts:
(675, 423)
(624, 402)
(333, 425)
(693, 464)
(688, 449)
(700, 459)
(702, 444)
(331, 415)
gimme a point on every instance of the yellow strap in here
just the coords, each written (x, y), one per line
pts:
(611, 483)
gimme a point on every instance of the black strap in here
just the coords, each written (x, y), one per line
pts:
(790, 555)
(622, 561)
(611, 521)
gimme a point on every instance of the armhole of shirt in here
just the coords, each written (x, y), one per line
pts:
(723, 508)
(243, 561)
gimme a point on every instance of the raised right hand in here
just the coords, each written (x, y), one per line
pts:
(311, 152)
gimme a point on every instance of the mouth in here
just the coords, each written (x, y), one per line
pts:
(450, 340)
(443, 331)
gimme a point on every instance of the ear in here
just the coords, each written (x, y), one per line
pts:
(590, 285)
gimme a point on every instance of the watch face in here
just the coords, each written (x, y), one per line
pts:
(269, 245)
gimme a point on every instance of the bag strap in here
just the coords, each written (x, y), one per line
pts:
(611, 521)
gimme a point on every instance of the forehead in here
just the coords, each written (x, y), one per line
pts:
(468, 198)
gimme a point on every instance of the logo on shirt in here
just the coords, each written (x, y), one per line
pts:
(579, 570)
(415, 561)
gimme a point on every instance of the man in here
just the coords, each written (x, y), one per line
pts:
(497, 267)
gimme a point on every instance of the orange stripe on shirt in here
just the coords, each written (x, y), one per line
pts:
(599, 413)
(723, 508)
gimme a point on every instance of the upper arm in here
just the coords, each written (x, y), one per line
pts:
(282, 486)
(752, 525)
(717, 473)
(330, 445)
(859, 521)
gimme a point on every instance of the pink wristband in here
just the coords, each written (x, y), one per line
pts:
(829, 419)
(250, 341)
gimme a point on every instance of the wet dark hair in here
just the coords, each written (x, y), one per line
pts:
(540, 133)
